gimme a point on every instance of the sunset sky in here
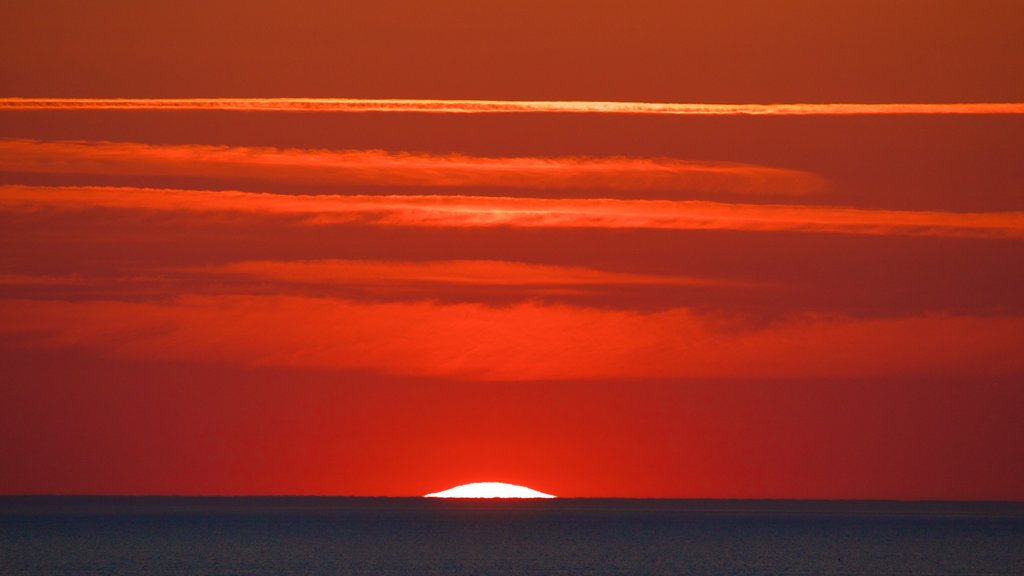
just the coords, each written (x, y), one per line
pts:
(633, 249)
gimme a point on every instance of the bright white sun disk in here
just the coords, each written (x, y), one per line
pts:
(489, 490)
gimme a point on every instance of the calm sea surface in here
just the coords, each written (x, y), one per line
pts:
(282, 536)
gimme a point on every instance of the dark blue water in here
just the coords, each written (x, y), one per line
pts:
(280, 536)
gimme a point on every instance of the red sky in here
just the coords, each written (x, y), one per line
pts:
(374, 298)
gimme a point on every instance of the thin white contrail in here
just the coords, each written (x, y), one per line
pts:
(501, 106)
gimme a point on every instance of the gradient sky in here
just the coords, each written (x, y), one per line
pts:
(364, 297)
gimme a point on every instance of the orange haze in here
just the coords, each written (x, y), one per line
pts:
(730, 249)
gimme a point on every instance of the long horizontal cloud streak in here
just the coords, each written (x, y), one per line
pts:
(442, 272)
(380, 168)
(521, 342)
(499, 106)
(478, 211)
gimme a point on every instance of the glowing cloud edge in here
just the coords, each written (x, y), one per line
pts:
(434, 106)
(489, 490)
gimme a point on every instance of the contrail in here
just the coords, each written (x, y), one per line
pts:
(425, 106)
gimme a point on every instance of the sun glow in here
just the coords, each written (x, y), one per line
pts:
(489, 490)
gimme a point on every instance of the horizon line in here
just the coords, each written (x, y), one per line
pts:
(424, 497)
(470, 106)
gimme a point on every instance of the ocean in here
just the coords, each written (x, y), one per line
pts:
(256, 536)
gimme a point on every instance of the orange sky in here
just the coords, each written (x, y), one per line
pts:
(777, 299)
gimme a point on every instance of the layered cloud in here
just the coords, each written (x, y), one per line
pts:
(380, 168)
(493, 282)
(41, 280)
(468, 273)
(478, 211)
(527, 341)
(500, 106)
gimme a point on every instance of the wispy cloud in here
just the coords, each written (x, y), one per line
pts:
(380, 168)
(484, 281)
(483, 273)
(478, 211)
(42, 280)
(526, 341)
(500, 106)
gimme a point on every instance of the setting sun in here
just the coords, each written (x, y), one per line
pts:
(489, 490)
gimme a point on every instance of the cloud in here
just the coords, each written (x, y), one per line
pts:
(380, 168)
(484, 281)
(41, 280)
(479, 273)
(480, 211)
(501, 106)
(526, 341)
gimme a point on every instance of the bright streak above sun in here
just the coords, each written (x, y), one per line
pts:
(489, 490)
